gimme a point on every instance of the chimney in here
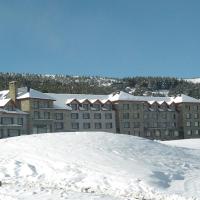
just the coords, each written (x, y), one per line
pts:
(13, 90)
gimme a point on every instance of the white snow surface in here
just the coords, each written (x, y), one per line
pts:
(186, 143)
(96, 166)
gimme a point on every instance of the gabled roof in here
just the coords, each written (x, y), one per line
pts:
(32, 94)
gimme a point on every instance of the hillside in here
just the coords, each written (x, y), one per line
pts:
(82, 166)
(151, 86)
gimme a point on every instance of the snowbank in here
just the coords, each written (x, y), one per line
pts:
(89, 165)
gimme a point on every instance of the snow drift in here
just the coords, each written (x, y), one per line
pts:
(90, 165)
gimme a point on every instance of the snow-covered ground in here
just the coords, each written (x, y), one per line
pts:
(96, 166)
(189, 143)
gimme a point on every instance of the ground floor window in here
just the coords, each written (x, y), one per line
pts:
(108, 125)
(59, 125)
(41, 129)
(176, 133)
(86, 125)
(157, 133)
(97, 125)
(13, 132)
(126, 124)
(75, 125)
(148, 133)
(189, 132)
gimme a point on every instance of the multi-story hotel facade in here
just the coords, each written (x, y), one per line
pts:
(28, 111)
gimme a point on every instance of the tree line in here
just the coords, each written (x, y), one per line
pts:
(101, 85)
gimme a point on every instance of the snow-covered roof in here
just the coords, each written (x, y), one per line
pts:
(186, 99)
(3, 94)
(23, 93)
(3, 102)
(16, 111)
(123, 96)
(63, 99)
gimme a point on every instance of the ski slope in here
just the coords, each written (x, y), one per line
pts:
(96, 166)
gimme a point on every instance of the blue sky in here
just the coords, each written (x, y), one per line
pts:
(114, 38)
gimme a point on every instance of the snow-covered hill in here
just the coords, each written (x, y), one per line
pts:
(95, 166)
(193, 80)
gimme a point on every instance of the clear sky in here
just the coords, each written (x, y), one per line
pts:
(114, 38)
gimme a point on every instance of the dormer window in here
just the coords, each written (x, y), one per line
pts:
(85, 106)
(107, 106)
(74, 106)
(96, 106)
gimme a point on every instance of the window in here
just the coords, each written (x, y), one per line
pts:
(136, 115)
(108, 115)
(155, 124)
(187, 107)
(59, 116)
(97, 115)
(44, 104)
(196, 115)
(7, 120)
(196, 107)
(35, 104)
(36, 115)
(136, 106)
(75, 125)
(126, 124)
(97, 125)
(188, 116)
(59, 125)
(74, 115)
(196, 124)
(157, 133)
(1, 133)
(86, 115)
(176, 133)
(13, 132)
(86, 125)
(188, 124)
(46, 115)
(74, 106)
(126, 106)
(166, 132)
(146, 115)
(125, 115)
(85, 106)
(96, 106)
(148, 133)
(108, 125)
(197, 132)
(164, 115)
(189, 132)
(107, 106)
(20, 121)
(173, 124)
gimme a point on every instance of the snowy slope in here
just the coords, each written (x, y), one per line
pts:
(96, 166)
(189, 143)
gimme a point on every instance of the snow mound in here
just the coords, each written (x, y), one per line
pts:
(91, 165)
(186, 143)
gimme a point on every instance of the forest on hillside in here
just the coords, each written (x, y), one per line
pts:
(101, 85)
